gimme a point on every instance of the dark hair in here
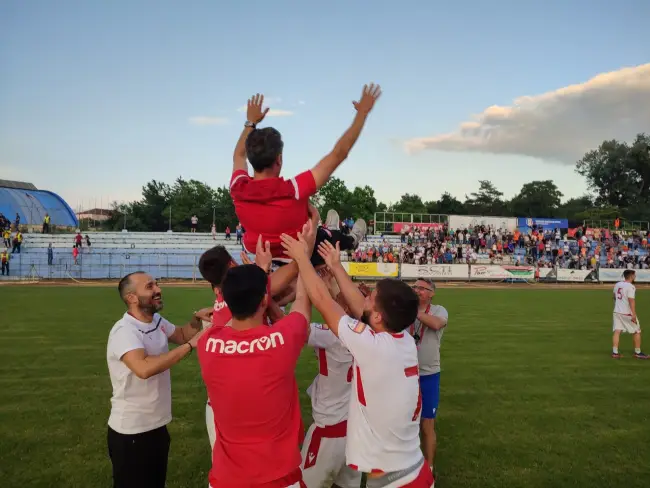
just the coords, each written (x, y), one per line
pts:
(214, 264)
(244, 288)
(263, 146)
(397, 303)
(627, 273)
(123, 287)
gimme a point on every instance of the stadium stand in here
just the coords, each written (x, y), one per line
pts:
(31, 204)
(111, 255)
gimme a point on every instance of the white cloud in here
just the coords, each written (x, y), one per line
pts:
(274, 112)
(207, 120)
(560, 125)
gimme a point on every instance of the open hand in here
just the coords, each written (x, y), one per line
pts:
(309, 234)
(263, 256)
(330, 254)
(244, 258)
(295, 248)
(254, 112)
(369, 96)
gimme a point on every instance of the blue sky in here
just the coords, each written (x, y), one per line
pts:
(96, 98)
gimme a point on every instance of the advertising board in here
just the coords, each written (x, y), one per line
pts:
(435, 271)
(371, 270)
(468, 221)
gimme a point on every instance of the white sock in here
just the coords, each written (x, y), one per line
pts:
(615, 350)
(637, 350)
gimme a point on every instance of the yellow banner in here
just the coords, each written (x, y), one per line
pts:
(376, 270)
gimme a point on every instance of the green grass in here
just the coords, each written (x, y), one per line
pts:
(529, 394)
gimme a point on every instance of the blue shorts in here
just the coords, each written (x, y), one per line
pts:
(430, 388)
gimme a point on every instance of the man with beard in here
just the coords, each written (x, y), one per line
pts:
(138, 362)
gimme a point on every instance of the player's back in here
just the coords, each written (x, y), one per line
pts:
(330, 390)
(271, 207)
(623, 291)
(258, 419)
(383, 422)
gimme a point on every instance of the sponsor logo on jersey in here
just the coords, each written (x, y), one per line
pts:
(272, 341)
(219, 305)
(322, 326)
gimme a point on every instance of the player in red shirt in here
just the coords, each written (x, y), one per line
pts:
(259, 428)
(383, 422)
(269, 205)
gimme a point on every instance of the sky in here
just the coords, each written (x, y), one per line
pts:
(98, 98)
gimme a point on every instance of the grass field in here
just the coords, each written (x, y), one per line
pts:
(530, 396)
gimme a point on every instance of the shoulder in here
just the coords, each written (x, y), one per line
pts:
(438, 310)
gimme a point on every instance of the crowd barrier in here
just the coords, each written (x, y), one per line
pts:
(183, 264)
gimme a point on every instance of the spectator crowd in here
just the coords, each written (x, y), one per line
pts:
(584, 249)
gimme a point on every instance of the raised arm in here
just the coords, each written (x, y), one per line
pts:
(183, 334)
(313, 285)
(351, 293)
(254, 115)
(324, 169)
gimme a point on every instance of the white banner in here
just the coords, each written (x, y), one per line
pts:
(610, 275)
(489, 272)
(435, 271)
(575, 275)
(544, 272)
(467, 221)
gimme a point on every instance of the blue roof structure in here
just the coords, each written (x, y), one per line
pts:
(32, 205)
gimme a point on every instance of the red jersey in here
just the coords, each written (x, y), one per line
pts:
(259, 428)
(221, 314)
(271, 207)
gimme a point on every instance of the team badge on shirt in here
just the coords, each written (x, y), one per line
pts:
(322, 326)
(357, 327)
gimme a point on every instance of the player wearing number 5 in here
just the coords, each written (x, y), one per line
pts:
(625, 319)
(427, 331)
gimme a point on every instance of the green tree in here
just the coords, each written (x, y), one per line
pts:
(537, 199)
(409, 204)
(619, 173)
(450, 205)
(333, 195)
(362, 203)
(486, 201)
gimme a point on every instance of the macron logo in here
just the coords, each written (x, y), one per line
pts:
(244, 347)
(218, 306)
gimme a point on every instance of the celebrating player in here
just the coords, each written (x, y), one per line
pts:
(383, 424)
(323, 451)
(259, 427)
(625, 318)
(269, 205)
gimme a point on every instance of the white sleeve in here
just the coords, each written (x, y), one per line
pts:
(362, 342)
(321, 336)
(124, 340)
(631, 292)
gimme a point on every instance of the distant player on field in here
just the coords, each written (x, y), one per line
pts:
(625, 318)
(384, 417)
(269, 205)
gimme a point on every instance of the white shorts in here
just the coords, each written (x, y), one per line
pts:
(624, 323)
(327, 464)
(209, 424)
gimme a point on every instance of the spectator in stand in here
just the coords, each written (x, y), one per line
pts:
(213, 231)
(18, 241)
(50, 255)
(4, 261)
(88, 243)
(46, 224)
(227, 232)
(6, 236)
(78, 239)
(239, 231)
(75, 253)
(194, 221)
(17, 221)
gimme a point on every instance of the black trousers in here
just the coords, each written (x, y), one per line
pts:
(5, 267)
(139, 460)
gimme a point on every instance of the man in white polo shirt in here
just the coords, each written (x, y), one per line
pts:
(138, 362)
(427, 331)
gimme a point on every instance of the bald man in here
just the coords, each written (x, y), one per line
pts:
(138, 362)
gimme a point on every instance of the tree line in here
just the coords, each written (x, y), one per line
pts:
(617, 175)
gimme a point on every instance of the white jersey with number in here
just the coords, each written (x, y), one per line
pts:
(385, 404)
(623, 291)
(330, 390)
